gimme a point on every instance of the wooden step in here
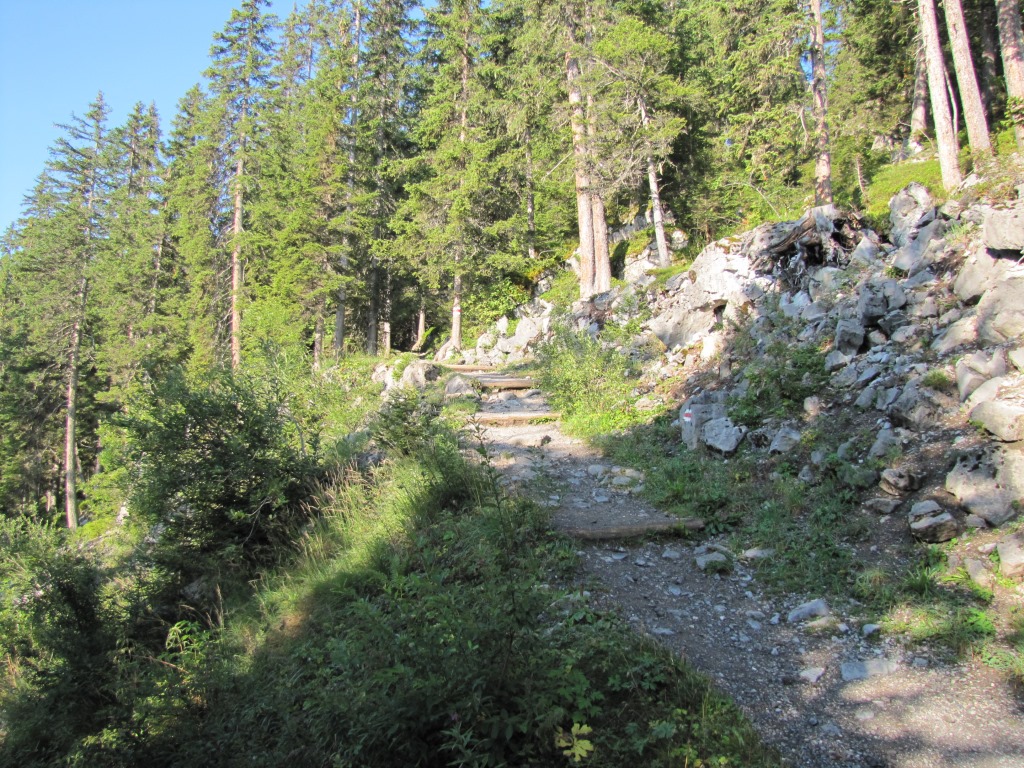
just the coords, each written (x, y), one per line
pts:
(636, 530)
(469, 368)
(506, 382)
(514, 418)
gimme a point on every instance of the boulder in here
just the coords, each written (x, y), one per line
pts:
(964, 331)
(989, 482)
(1004, 420)
(866, 252)
(989, 390)
(918, 407)
(897, 482)
(785, 440)
(980, 272)
(909, 209)
(1011, 556)
(418, 374)
(935, 528)
(886, 441)
(877, 298)
(974, 370)
(921, 251)
(697, 411)
(849, 337)
(458, 386)
(1001, 311)
(722, 435)
(1004, 230)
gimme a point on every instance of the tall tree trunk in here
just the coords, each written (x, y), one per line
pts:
(945, 136)
(236, 269)
(602, 255)
(584, 213)
(919, 107)
(421, 325)
(456, 339)
(1011, 43)
(823, 166)
(71, 411)
(531, 218)
(989, 57)
(372, 311)
(341, 295)
(967, 80)
(318, 335)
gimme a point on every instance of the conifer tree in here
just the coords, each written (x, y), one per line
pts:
(59, 244)
(239, 76)
(966, 79)
(1011, 43)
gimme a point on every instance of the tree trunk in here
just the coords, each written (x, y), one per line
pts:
(71, 412)
(945, 136)
(347, 242)
(967, 80)
(318, 336)
(421, 326)
(531, 223)
(919, 108)
(236, 270)
(1011, 42)
(456, 339)
(602, 256)
(823, 167)
(372, 312)
(584, 213)
(989, 58)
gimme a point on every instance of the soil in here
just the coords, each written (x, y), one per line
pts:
(915, 710)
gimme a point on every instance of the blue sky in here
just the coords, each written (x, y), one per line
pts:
(55, 55)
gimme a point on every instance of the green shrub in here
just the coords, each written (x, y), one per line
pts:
(219, 464)
(779, 381)
(56, 682)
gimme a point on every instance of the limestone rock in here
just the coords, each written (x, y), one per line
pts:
(974, 370)
(703, 561)
(1001, 312)
(808, 610)
(785, 440)
(886, 441)
(980, 272)
(697, 411)
(1004, 420)
(1004, 230)
(920, 252)
(909, 209)
(897, 482)
(418, 374)
(881, 506)
(989, 483)
(458, 386)
(928, 522)
(1011, 556)
(849, 337)
(964, 331)
(862, 670)
(722, 435)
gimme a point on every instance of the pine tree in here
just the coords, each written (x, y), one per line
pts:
(59, 244)
(819, 93)
(239, 76)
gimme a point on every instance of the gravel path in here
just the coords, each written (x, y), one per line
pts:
(818, 690)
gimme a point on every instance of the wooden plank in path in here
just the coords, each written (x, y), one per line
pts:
(635, 530)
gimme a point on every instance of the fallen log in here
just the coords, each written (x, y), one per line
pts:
(635, 530)
(514, 418)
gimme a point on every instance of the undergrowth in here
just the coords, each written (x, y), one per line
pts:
(412, 621)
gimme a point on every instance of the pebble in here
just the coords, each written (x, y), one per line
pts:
(862, 670)
(808, 610)
(812, 675)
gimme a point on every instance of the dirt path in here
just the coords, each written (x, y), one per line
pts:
(818, 690)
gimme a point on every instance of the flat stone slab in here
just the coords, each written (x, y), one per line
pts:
(862, 670)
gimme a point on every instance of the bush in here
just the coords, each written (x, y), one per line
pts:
(779, 382)
(52, 628)
(589, 384)
(216, 461)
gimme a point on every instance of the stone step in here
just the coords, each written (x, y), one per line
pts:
(514, 418)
